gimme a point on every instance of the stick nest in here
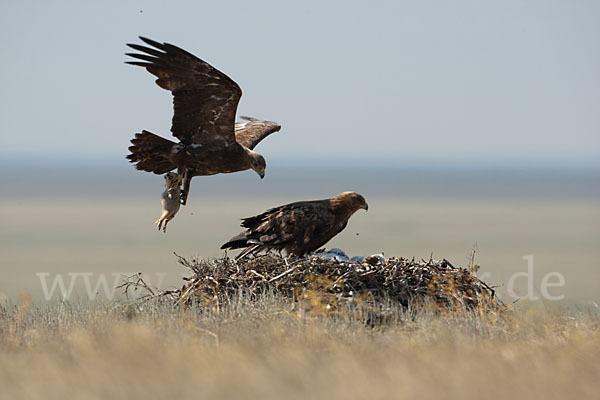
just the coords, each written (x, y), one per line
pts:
(325, 284)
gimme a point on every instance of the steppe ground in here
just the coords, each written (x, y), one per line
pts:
(58, 236)
(99, 220)
(266, 350)
(71, 220)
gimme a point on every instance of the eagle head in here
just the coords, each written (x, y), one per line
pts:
(349, 202)
(358, 201)
(258, 163)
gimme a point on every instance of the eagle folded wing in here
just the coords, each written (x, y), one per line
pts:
(298, 228)
(297, 224)
(205, 100)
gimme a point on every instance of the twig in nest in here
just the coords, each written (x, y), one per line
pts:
(282, 274)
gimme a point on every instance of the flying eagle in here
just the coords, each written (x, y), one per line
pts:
(297, 228)
(205, 101)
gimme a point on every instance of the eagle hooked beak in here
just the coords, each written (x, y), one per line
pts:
(260, 172)
(365, 207)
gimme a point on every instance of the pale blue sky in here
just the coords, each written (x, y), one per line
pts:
(485, 81)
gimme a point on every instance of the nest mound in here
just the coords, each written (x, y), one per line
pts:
(326, 283)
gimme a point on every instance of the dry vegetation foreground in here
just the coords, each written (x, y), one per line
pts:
(265, 349)
(274, 328)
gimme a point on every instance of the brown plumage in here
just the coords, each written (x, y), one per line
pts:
(205, 102)
(297, 228)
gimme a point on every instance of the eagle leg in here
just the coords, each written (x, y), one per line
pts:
(187, 179)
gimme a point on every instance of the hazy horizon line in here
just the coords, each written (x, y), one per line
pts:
(534, 164)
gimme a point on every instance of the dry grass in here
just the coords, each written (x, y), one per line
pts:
(262, 349)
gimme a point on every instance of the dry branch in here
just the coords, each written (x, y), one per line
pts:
(409, 283)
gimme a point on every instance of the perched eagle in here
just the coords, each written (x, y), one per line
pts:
(297, 228)
(205, 101)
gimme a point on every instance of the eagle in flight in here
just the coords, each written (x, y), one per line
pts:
(297, 228)
(205, 101)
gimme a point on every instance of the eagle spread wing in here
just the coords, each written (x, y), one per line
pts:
(299, 227)
(205, 100)
(251, 132)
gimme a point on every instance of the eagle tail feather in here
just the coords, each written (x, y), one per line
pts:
(239, 241)
(236, 242)
(249, 250)
(150, 152)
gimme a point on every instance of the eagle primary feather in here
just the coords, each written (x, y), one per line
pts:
(297, 228)
(205, 102)
(251, 132)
